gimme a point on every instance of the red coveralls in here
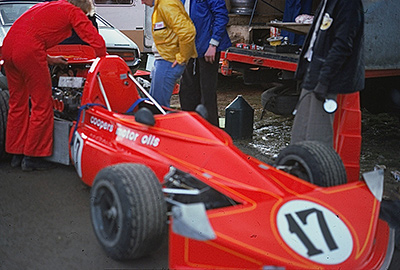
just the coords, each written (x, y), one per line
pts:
(24, 53)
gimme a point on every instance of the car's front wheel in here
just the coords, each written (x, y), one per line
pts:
(128, 211)
(314, 162)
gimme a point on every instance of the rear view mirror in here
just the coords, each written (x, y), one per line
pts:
(145, 116)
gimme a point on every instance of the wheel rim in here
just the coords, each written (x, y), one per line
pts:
(297, 167)
(107, 213)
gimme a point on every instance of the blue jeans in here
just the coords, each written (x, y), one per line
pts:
(163, 79)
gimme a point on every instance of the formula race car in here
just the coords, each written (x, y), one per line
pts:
(154, 170)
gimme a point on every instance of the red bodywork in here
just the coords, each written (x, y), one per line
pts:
(347, 123)
(279, 221)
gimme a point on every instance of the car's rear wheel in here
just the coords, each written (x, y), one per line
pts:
(314, 162)
(128, 211)
(4, 99)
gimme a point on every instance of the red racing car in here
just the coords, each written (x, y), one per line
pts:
(155, 171)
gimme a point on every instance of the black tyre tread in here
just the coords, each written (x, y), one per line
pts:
(321, 158)
(4, 100)
(331, 164)
(150, 203)
(146, 200)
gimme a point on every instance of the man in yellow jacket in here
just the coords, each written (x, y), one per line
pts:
(174, 39)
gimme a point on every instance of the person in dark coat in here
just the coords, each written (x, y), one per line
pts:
(331, 63)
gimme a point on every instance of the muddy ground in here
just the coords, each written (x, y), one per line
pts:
(380, 132)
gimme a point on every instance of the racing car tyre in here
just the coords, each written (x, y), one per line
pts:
(280, 100)
(314, 162)
(4, 98)
(128, 211)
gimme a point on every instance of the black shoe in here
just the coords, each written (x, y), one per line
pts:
(35, 163)
(16, 160)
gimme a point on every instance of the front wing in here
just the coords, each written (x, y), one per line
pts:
(328, 228)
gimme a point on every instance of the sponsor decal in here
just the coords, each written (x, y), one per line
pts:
(76, 152)
(314, 232)
(131, 135)
(126, 134)
(101, 125)
(326, 22)
(159, 26)
(150, 140)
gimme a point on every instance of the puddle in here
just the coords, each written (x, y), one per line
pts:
(271, 138)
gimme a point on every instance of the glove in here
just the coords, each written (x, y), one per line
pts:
(321, 91)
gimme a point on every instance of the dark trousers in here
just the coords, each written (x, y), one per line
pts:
(311, 122)
(199, 86)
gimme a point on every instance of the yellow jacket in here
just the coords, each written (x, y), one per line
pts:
(173, 31)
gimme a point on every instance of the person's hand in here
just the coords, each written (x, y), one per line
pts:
(209, 56)
(56, 60)
(321, 91)
(174, 64)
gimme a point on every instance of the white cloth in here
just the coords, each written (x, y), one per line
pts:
(308, 55)
(157, 56)
(187, 6)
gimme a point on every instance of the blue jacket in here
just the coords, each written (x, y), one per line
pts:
(210, 18)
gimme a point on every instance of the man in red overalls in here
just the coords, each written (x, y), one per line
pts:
(29, 134)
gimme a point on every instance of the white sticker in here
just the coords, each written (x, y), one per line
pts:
(159, 26)
(326, 22)
(314, 232)
(76, 152)
(71, 82)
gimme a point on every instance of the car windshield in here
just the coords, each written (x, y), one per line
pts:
(102, 23)
(10, 12)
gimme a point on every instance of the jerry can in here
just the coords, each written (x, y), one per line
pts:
(239, 117)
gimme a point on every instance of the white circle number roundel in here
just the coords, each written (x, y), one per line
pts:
(314, 232)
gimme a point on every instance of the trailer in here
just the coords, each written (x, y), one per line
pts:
(261, 63)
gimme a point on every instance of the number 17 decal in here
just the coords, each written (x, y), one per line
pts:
(314, 232)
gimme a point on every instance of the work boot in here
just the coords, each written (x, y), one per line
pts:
(35, 163)
(16, 160)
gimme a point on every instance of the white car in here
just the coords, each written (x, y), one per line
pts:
(116, 42)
